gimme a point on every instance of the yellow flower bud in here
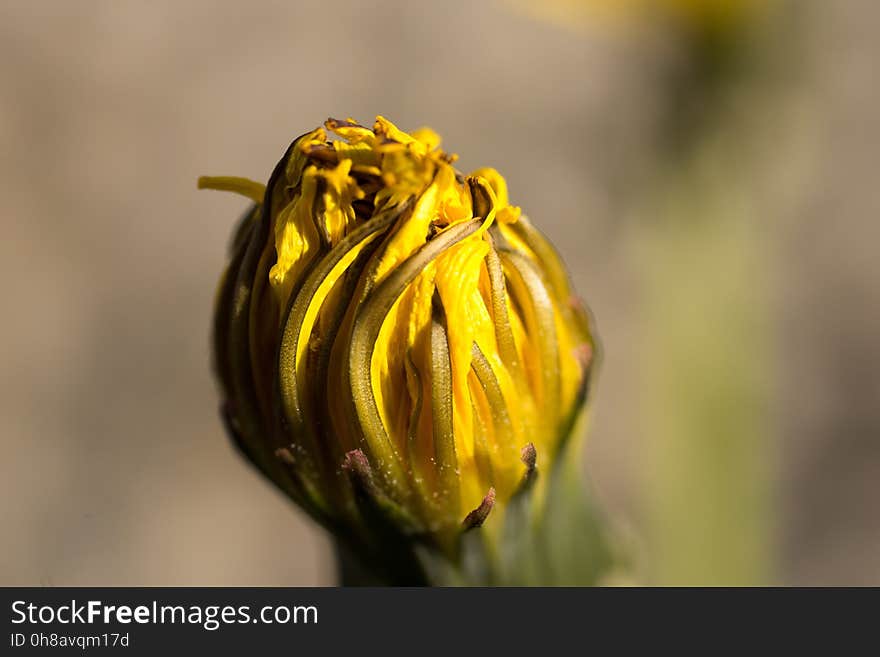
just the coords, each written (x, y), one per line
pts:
(393, 330)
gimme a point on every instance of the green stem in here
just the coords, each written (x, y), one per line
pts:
(707, 366)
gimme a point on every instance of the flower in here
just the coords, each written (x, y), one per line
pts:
(394, 334)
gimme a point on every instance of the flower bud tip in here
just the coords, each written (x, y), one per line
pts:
(478, 516)
(529, 456)
(284, 455)
(357, 465)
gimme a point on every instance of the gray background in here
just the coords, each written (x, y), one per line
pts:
(115, 469)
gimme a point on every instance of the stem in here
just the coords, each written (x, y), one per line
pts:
(707, 366)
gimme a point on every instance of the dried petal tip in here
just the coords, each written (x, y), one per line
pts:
(529, 456)
(478, 516)
(356, 462)
(284, 455)
(357, 465)
(333, 124)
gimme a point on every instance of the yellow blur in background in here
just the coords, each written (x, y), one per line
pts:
(723, 236)
(693, 15)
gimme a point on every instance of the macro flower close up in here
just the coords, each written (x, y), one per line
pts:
(391, 330)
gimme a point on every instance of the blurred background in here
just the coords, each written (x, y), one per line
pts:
(707, 169)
